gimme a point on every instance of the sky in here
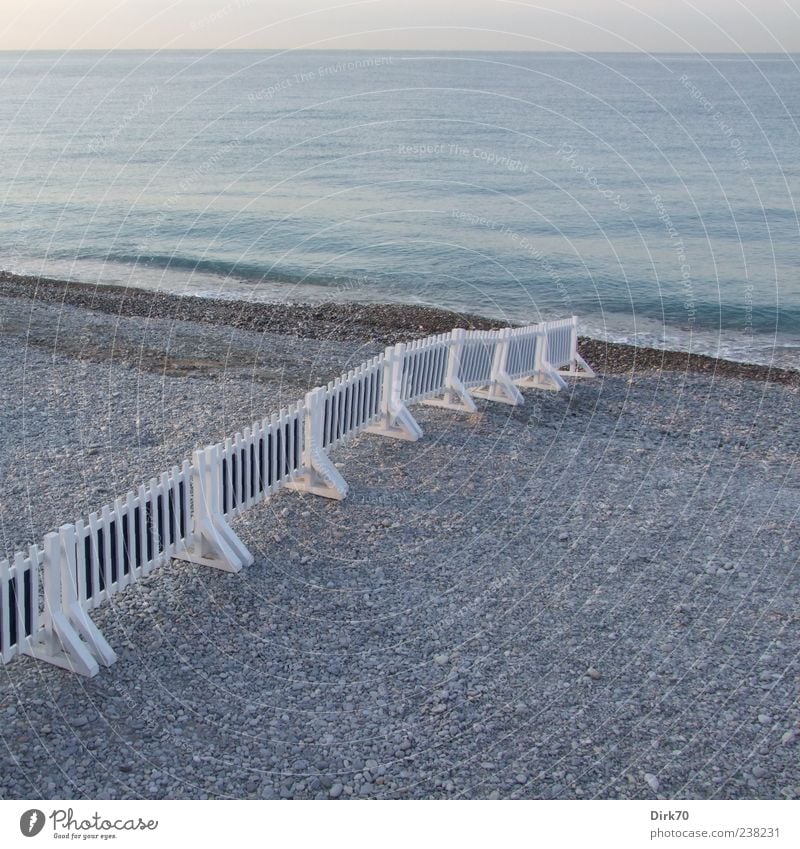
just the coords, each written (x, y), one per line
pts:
(576, 25)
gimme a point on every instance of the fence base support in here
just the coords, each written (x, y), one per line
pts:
(500, 387)
(91, 634)
(65, 649)
(550, 380)
(213, 541)
(455, 397)
(397, 424)
(63, 646)
(216, 545)
(321, 478)
(70, 639)
(579, 368)
(501, 390)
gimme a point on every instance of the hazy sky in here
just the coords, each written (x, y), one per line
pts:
(585, 25)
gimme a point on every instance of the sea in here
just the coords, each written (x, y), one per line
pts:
(653, 196)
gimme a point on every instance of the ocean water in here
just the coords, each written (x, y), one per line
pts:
(653, 196)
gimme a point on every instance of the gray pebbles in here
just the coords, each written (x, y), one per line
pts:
(595, 595)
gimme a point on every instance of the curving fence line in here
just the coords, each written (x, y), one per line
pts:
(46, 594)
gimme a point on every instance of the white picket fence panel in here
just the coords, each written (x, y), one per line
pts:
(524, 352)
(257, 463)
(46, 594)
(476, 357)
(352, 402)
(127, 540)
(561, 341)
(424, 367)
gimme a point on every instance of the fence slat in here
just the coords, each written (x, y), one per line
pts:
(119, 543)
(36, 560)
(18, 635)
(273, 452)
(108, 571)
(94, 540)
(7, 651)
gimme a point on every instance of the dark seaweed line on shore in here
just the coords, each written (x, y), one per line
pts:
(378, 323)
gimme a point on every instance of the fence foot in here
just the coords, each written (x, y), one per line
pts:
(321, 478)
(551, 380)
(102, 651)
(63, 647)
(579, 368)
(213, 541)
(216, 545)
(502, 391)
(70, 640)
(455, 397)
(398, 424)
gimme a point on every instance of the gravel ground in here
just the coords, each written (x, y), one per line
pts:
(594, 595)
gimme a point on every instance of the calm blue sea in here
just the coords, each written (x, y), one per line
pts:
(653, 196)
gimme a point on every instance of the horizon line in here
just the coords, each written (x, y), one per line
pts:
(396, 50)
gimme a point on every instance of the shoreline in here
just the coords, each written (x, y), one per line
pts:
(356, 322)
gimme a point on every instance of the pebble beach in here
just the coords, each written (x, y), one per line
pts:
(593, 595)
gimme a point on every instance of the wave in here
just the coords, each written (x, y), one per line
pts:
(636, 303)
(247, 272)
(672, 309)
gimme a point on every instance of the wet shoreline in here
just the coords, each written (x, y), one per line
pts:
(356, 322)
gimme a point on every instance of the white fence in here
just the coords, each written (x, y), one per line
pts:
(46, 594)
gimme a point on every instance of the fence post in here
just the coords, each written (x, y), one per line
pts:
(71, 604)
(61, 644)
(212, 541)
(318, 474)
(501, 388)
(455, 397)
(578, 367)
(395, 420)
